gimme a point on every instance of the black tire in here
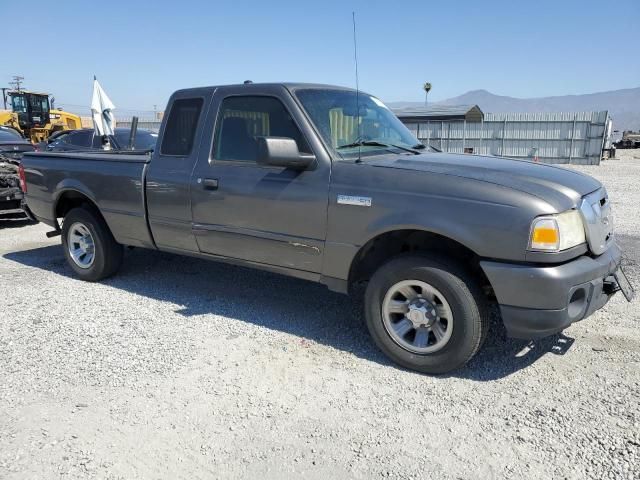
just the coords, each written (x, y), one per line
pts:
(462, 293)
(107, 252)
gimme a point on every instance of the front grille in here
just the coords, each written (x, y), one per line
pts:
(598, 220)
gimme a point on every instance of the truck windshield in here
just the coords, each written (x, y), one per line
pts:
(355, 125)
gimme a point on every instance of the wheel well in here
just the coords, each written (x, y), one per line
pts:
(72, 199)
(388, 245)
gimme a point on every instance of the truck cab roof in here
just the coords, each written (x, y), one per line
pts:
(260, 86)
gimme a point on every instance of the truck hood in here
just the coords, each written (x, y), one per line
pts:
(558, 186)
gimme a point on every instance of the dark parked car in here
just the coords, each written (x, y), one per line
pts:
(86, 139)
(12, 146)
(42, 146)
(326, 184)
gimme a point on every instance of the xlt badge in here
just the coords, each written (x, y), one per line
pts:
(353, 200)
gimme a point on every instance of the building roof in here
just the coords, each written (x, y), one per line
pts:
(470, 113)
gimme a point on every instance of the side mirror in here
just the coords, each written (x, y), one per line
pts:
(283, 152)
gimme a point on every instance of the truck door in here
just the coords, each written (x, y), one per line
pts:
(270, 215)
(169, 174)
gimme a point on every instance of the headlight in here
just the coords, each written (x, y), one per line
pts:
(554, 233)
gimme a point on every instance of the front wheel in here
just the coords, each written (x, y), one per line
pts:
(89, 246)
(426, 313)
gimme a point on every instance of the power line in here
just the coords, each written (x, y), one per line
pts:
(17, 82)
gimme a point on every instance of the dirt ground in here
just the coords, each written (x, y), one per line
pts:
(180, 368)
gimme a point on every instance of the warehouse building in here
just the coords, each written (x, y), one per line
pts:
(564, 137)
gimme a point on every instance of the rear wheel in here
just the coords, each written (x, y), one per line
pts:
(89, 246)
(426, 313)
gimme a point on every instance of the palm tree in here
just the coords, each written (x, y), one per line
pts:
(427, 88)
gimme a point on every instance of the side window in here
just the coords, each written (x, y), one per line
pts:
(181, 127)
(242, 119)
(19, 104)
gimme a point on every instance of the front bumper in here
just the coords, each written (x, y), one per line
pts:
(536, 301)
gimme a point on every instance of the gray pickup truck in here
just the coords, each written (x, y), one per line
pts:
(326, 184)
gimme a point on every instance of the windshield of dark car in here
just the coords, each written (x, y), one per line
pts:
(345, 117)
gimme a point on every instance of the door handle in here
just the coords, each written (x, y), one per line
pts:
(210, 183)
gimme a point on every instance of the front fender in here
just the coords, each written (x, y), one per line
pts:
(446, 227)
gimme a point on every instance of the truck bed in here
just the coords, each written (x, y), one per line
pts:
(113, 180)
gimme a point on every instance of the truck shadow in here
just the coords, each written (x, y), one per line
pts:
(7, 223)
(304, 309)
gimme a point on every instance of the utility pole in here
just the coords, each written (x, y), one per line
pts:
(17, 82)
(427, 88)
(4, 96)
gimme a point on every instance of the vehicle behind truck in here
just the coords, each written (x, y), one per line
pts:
(325, 184)
(12, 146)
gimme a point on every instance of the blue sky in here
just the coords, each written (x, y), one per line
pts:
(516, 48)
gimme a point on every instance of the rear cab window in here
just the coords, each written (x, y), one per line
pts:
(181, 127)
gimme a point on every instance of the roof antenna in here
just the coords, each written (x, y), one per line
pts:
(355, 58)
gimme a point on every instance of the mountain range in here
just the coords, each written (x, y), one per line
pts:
(623, 105)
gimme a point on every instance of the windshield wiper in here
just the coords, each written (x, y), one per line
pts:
(373, 143)
(422, 146)
(363, 143)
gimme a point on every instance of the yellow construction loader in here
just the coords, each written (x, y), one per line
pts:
(31, 115)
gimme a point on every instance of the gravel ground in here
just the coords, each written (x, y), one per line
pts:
(179, 368)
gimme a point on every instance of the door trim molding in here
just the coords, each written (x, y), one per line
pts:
(309, 245)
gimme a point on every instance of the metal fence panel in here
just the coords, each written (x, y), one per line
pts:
(562, 137)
